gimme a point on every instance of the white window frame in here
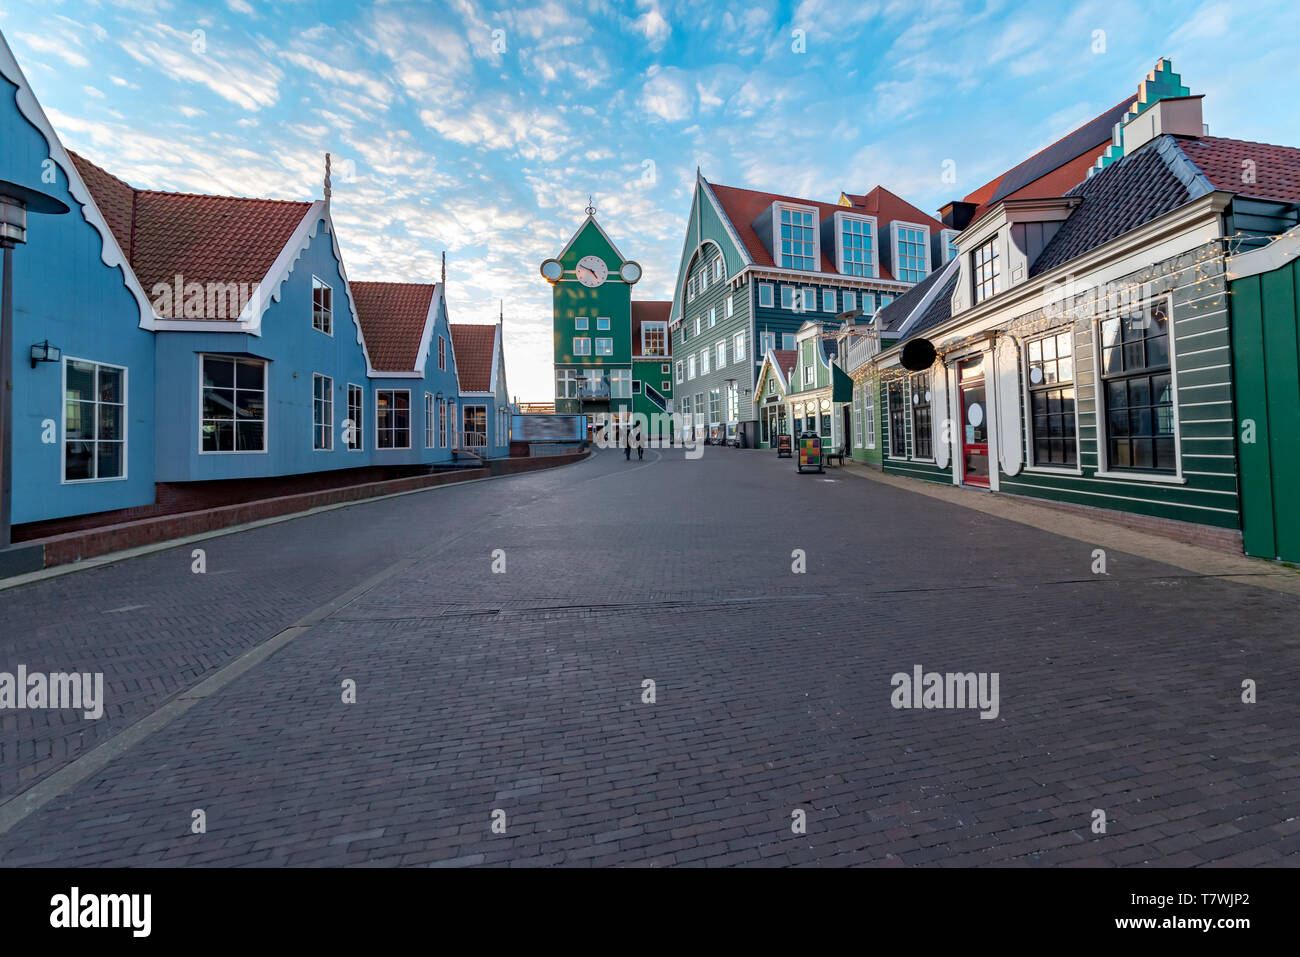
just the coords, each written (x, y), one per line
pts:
(767, 341)
(766, 296)
(464, 409)
(787, 341)
(704, 360)
(318, 283)
(738, 347)
(713, 316)
(650, 327)
(698, 321)
(869, 414)
(777, 255)
(602, 324)
(690, 366)
(720, 354)
(442, 354)
(717, 269)
(828, 296)
(430, 433)
(266, 404)
(322, 428)
(679, 370)
(607, 349)
(1027, 405)
(788, 297)
(63, 423)
(442, 425)
(840, 262)
(582, 345)
(358, 443)
(809, 299)
(581, 324)
(378, 430)
(730, 306)
(896, 230)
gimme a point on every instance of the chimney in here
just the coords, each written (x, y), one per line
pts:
(957, 215)
(1174, 115)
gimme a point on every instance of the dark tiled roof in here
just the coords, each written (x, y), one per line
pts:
(785, 360)
(393, 315)
(896, 313)
(1276, 169)
(205, 239)
(474, 354)
(1123, 196)
(940, 308)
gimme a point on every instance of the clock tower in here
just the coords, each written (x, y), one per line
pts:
(592, 324)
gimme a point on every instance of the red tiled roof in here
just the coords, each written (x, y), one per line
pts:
(743, 206)
(393, 315)
(204, 239)
(650, 310)
(786, 360)
(1224, 162)
(474, 355)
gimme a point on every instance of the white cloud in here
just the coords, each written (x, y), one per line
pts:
(239, 76)
(667, 95)
(58, 46)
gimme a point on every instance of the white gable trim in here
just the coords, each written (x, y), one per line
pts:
(919, 310)
(111, 253)
(578, 231)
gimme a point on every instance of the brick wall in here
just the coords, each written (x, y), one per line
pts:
(104, 538)
(1219, 539)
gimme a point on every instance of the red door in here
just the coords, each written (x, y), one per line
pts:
(974, 424)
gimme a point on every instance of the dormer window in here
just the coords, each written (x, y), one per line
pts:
(797, 247)
(985, 270)
(654, 339)
(857, 246)
(911, 252)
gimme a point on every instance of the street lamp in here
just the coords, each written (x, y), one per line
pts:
(15, 202)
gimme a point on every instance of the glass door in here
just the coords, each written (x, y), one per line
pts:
(974, 424)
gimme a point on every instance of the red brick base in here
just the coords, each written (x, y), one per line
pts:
(72, 546)
(1207, 536)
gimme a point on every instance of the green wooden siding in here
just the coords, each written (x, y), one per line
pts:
(1266, 358)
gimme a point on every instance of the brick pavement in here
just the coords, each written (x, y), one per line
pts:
(522, 692)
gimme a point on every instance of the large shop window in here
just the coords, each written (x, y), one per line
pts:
(234, 405)
(922, 441)
(393, 418)
(1051, 400)
(897, 419)
(1137, 387)
(94, 421)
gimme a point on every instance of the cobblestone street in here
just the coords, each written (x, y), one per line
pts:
(522, 692)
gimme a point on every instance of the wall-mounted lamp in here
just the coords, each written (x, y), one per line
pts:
(44, 352)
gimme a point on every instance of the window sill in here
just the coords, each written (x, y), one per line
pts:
(1049, 470)
(1141, 477)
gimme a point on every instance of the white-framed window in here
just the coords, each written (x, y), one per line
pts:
(911, 252)
(392, 418)
(602, 324)
(715, 406)
(809, 372)
(737, 347)
(475, 422)
(453, 437)
(922, 419)
(690, 366)
(94, 421)
(809, 299)
(704, 361)
(232, 392)
(620, 384)
(690, 289)
(442, 424)
(828, 300)
(713, 316)
(442, 353)
(654, 339)
(868, 304)
(698, 321)
(353, 436)
(857, 246)
(767, 342)
(797, 246)
(985, 269)
(581, 346)
(869, 414)
(604, 347)
(787, 340)
(731, 306)
(566, 384)
(1136, 368)
(665, 367)
(679, 370)
(717, 268)
(857, 416)
(885, 300)
(430, 440)
(704, 278)
(581, 324)
(322, 306)
(787, 297)
(1049, 378)
(720, 355)
(850, 300)
(765, 295)
(636, 386)
(322, 412)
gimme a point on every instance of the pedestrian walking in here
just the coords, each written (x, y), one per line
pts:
(627, 445)
(639, 439)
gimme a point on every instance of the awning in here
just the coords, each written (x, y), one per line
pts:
(841, 385)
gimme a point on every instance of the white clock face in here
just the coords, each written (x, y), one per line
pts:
(631, 272)
(592, 271)
(552, 270)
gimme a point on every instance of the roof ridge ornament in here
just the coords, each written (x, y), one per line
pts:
(328, 190)
(591, 207)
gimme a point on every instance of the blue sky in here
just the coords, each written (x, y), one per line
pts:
(481, 128)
